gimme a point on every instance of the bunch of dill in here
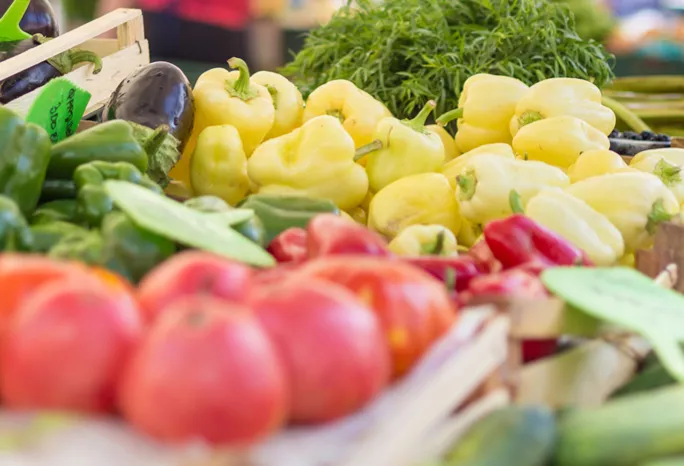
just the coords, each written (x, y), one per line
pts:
(405, 52)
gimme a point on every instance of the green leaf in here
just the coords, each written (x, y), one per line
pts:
(180, 223)
(629, 299)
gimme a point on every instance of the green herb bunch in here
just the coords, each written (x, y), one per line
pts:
(406, 52)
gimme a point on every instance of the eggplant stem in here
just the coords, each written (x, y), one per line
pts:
(631, 119)
(156, 140)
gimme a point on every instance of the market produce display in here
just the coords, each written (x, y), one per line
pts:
(226, 261)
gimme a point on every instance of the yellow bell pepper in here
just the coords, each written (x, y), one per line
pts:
(218, 166)
(450, 149)
(359, 215)
(673, 155)
(635, 202)
(563, 96)
(402, 148)
(358, 111)
(225, 97)
(423, 240)
(426, 198)
(287, 101)
(595, 163)
(485, 187)
(628, 260)
(669, 173)
(454, 168)
(469, 233)
(558, 141)
(485, 108)
(574, 220)
(315, 160)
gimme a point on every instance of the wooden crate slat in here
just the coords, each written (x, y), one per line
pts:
(116, 68)
(68, 41)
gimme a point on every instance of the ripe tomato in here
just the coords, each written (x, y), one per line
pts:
(331, 344)
(22, 274)
(207, 370)
(414, 309)
(66, 347)
(192, 273)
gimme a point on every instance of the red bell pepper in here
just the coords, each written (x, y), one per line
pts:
(290, 246)
(512, 282)
(518, 240)
(331, 235)
(455, 272)
(481, 252)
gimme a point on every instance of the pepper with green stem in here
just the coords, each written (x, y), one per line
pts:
(402, 148)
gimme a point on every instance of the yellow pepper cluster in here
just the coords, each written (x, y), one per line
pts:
(541, 150)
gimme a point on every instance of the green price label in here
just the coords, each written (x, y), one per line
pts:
(59, 108)
(629, 299)
(9, 23)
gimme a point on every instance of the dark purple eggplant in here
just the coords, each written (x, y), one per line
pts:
(630, 143)
(155, 95)
(38, 75)
(39, 18)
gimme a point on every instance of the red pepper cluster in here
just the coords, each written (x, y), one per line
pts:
(508, 263)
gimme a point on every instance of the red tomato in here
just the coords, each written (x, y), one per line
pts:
(414, 309)
(22, 274)
(207, 370)
(192, 273)
(66, 347)
(331, 344)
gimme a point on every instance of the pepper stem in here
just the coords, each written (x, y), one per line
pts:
(274, 95)
(467, 184)
(516, 202)
(529, 117)
(657, 216)
(630, 118)
(363, 151)
(156, 140)
(418, 123)
(669, 174)
(241, 87)
(450, 278)
(436, 248)
(449, 116)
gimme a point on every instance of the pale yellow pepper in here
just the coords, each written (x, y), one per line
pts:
(577, 222)
(225, 97)
(563, 96)
(558, 140)
(454, 168)
(315, 160)
(359, 215)
(450, 149)
(485, 186)
(218, 166)
(469, 233)
(358, 111)
(595, 163)
(402, 148)
(485, 108)
(673, 155)
(669, 173)
(423, 240)
(635, 202)
(287, 101)
(426, 198)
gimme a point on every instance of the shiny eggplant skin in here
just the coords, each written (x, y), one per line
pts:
(26, 80)
(157, 94)
(39, 18)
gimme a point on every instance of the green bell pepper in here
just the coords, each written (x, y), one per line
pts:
(24, 158)
(279, 213)
(85, 246)
(47, 235)
(15, 233)
(132, 251)
(92, 200)
(252, 229)
(113, 141)
(63, 210)
(54, 190)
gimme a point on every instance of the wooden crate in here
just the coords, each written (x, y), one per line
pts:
(415, 420)
(120, 57)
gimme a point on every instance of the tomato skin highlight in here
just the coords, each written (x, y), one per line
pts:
(206, 370)
(415, 310)
(67, 346)
(331, 345)
(191, 273)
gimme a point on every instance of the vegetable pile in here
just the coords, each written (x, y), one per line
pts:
(404, 52)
